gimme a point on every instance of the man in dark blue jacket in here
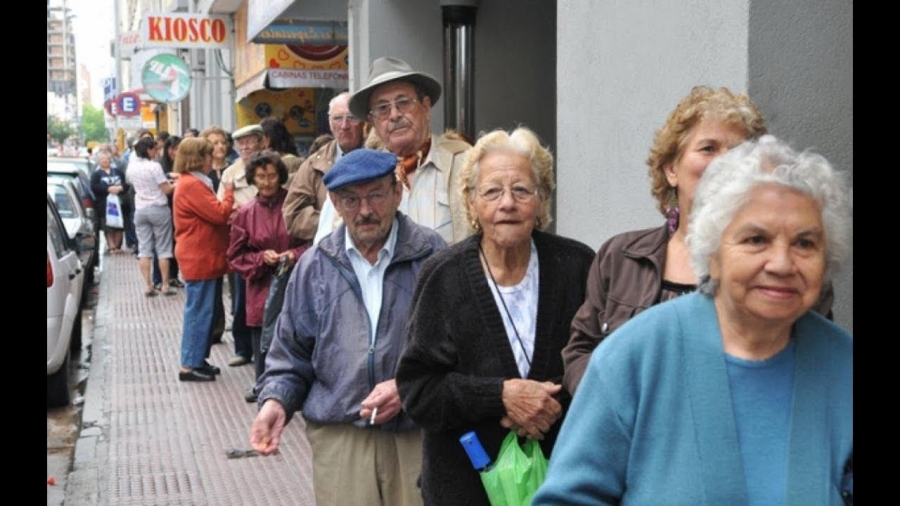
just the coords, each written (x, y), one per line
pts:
(339, 338)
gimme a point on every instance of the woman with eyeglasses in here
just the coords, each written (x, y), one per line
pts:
(490, 317)
(259, 242)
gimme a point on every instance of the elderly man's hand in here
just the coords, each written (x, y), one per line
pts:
(265, 433)
(530, 407)
(385, 398)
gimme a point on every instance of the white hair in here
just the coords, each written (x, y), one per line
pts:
(728, 181)
(344, 94)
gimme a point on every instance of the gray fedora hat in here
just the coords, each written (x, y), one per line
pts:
(385, 70)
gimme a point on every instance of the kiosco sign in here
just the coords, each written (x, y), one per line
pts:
(185, 31)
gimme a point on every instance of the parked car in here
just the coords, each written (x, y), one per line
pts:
(83, 163)
(65, 279)
(64, 167)
(77, 220)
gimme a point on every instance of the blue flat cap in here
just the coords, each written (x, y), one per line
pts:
(359, 166)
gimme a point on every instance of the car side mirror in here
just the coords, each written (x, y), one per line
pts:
(85, 242)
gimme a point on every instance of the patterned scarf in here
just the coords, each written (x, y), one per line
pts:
(408, 164)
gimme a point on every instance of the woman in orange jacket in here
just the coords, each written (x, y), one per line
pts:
(201, 240)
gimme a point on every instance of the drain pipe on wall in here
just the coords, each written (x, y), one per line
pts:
(459, 65)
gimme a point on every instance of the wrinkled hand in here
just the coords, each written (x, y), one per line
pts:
(386, 398)
(265, 433)
(115, 189)
(530, 407)
(270, 257)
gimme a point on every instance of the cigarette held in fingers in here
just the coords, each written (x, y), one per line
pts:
(374, 414)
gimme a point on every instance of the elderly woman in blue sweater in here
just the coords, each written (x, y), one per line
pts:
(738, 394)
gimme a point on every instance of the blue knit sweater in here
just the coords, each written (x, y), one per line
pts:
(652, 421)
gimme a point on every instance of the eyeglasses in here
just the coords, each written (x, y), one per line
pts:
(403, 104)
(265, 177)
(351, 202)
(349, 118)
(520, 193)
(247, 141)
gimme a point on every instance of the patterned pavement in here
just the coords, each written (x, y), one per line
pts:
(149, 439)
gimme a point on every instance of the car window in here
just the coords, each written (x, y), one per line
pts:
(57, 233)
(63, 200)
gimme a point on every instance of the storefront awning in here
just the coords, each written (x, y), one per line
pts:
(281, 78)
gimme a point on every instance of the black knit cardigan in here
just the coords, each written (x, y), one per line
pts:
(451, 375)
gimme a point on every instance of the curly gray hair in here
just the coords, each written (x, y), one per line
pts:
(728, 181)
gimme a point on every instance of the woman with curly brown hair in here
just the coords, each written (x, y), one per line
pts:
(638, 269)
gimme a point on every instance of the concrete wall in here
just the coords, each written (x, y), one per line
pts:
(801, 74)
(407, 29)
(623, 66)
(515, 55)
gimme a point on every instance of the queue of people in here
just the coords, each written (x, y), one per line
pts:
(695, 361)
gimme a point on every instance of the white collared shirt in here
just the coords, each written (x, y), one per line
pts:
(427, 202)
(329, 219)
(371, 277)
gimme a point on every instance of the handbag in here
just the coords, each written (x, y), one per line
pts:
(114, 212)
(274, 302)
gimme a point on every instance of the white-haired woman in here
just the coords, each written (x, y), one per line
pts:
(490, 317)
(737, 393)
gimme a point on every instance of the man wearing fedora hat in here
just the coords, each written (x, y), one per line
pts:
(397, 101)
(339, 338)
(249, 142)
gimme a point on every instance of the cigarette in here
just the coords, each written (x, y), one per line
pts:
(374, 413)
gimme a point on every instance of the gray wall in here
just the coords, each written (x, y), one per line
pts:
(623, 66)
(515, 55)
(801, 74)
(407, 29)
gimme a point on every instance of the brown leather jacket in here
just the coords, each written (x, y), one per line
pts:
(307, 193)
(625, 279)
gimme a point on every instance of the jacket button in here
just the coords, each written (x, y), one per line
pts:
(604, 327)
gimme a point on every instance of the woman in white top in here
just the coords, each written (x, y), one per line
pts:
(152, 218)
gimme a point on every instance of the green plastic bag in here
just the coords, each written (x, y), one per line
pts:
(516, 474)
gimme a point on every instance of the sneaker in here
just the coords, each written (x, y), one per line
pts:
(238, 360)
(250, 396)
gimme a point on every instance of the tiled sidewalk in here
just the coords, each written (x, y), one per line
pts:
(148, 439)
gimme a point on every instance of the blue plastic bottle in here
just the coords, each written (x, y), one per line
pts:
(480, 460)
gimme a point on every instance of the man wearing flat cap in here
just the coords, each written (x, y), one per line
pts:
(249, 142)
(397, 101)
(339, 338)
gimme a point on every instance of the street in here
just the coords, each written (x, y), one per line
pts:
(63, 424)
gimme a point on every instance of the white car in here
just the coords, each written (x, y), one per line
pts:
(77, 220)
(65, 279)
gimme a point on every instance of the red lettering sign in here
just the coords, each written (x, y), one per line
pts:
(155, 33)
(186, 29)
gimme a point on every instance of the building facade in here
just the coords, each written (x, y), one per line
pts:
(593, 79)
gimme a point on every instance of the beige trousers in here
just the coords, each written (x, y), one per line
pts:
(365, 467)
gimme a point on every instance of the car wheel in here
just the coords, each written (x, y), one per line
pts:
(75, 342)
(58, 385)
